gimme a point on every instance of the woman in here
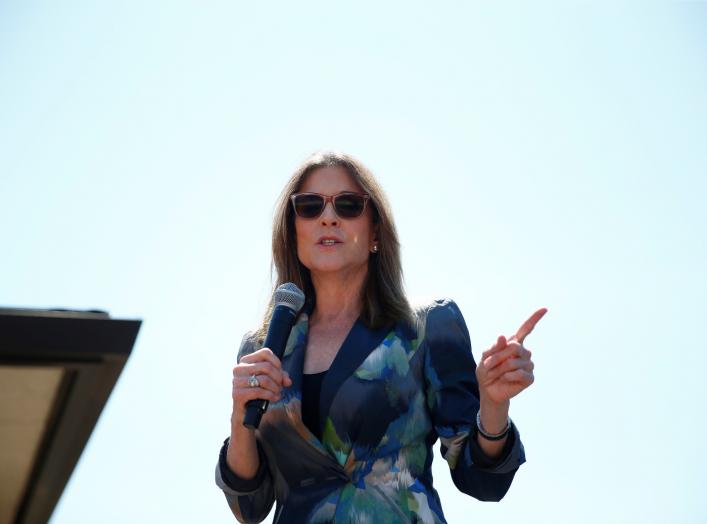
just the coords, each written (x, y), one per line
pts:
(366, 385)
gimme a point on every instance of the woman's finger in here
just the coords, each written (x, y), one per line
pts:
(258, 368)
(263, 354)
(511, 364)
(521, 376)
(242, 395)
(512, 350)
(497, 346)
(529, 325)
(264, 381)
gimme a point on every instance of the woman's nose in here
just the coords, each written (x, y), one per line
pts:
(328, 216)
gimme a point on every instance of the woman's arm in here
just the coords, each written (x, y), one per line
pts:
(481, 468)
(494, 419)
(242, 455)
(504, 370)
(242, 472)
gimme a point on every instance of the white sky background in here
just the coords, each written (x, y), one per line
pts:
(534, 156)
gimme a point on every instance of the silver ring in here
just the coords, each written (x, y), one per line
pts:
(253, 382)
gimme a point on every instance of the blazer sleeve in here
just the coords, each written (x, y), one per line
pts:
(249, 500)
(453, 400)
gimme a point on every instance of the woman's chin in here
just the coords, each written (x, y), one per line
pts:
(332, 267)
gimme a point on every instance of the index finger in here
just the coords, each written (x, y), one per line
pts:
(260, 355)
(528, 326)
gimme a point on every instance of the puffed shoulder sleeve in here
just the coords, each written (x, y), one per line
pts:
(250, 500)
(453, 400)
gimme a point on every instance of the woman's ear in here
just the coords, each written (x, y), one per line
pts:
(374, 241)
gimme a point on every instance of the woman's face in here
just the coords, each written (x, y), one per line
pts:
(353, 237)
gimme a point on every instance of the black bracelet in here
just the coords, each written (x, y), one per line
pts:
(489, 436)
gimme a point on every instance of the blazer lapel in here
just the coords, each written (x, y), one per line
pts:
(359, 343)
(291, 402)
(293, 359)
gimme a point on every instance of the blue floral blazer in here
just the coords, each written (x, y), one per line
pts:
(387, 397)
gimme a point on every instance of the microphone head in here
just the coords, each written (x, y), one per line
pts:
(288, 295)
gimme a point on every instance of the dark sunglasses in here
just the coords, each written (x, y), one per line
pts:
(346, 205)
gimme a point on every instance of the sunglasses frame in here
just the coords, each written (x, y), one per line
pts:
(331, 198)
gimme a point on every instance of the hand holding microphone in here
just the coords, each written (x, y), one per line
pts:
(258, 378)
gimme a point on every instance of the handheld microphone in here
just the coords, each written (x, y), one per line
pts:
(288, 299)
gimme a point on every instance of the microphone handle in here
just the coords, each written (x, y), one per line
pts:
(283, 318)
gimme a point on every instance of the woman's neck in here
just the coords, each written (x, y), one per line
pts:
(338, 297)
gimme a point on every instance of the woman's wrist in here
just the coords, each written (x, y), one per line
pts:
(242, 456)
(241, 434)
(493, 415)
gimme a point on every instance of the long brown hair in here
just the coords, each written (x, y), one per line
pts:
(383, 296)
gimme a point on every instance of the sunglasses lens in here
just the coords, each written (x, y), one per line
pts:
(308, 206)
(349, 205)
